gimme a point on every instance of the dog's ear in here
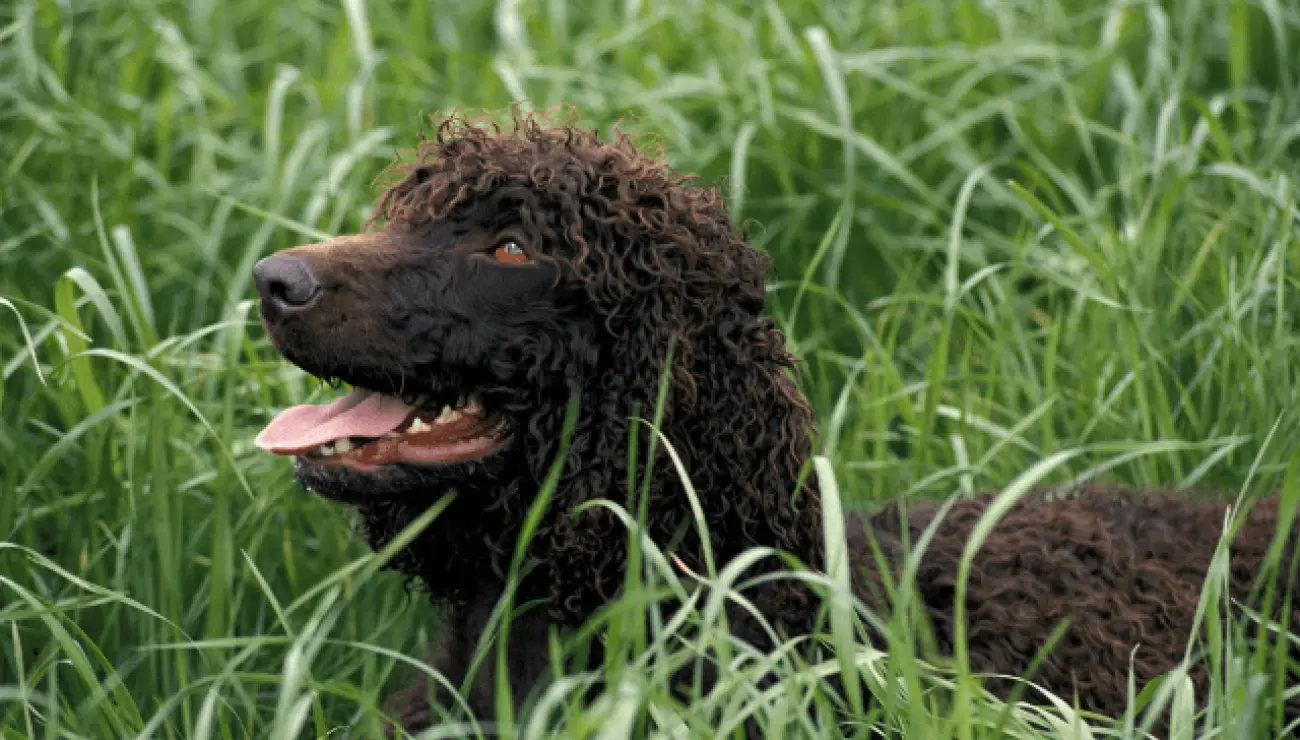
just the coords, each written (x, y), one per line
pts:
(672, 287)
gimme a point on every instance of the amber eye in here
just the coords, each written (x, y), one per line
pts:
(509, 252)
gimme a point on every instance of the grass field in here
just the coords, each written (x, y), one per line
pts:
(1047, 236)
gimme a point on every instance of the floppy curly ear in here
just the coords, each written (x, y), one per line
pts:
(586, 552)
(666, 268)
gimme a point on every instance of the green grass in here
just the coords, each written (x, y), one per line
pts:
(1048, 239)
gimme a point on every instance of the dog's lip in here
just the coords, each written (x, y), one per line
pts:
(367, 430)
(381, 453)
(451, 436)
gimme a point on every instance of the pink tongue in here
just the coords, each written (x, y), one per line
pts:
(358, 414)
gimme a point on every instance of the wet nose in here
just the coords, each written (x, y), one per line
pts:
(285, 283)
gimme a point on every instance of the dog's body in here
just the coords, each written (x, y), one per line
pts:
(519, 270)
(1124, 568)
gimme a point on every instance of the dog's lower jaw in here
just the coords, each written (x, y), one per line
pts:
(398, 482)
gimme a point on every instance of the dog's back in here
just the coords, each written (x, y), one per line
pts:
(1125, 568)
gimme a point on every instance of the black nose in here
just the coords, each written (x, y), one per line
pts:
(285, 283)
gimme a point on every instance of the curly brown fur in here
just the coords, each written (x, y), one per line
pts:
(626, 258)
(1123, 567)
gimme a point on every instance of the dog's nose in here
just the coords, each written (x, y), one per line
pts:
(285, 283)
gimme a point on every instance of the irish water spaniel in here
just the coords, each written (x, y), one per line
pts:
(513, 270)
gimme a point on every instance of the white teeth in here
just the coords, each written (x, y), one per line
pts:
(447, 416)
(393, 435)
(474, 405)
(326, 450)
(342, 446)
(418, 426)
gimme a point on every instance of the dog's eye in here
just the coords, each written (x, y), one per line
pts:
(509, 251)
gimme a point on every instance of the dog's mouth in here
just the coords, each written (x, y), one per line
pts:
(366, 430)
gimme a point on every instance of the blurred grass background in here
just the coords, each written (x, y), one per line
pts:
(1002, 230)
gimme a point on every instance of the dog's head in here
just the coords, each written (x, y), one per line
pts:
(455, 333)
(512, 271)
